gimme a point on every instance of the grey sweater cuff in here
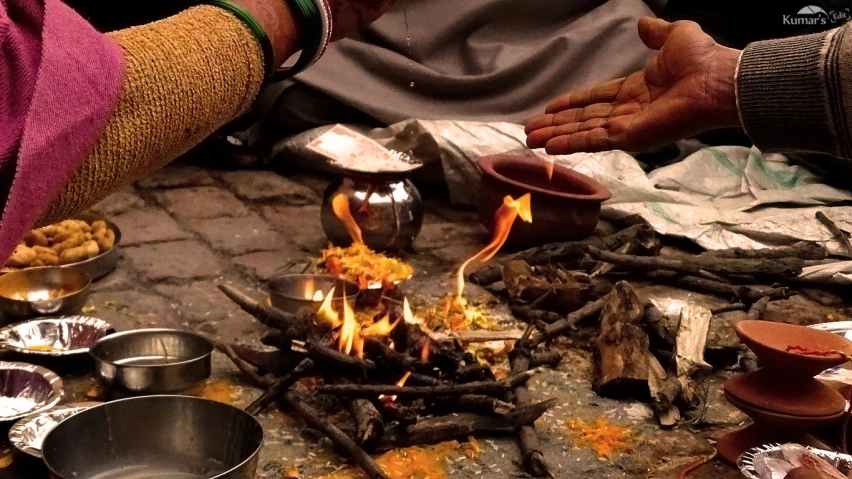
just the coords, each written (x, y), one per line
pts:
(783, 93)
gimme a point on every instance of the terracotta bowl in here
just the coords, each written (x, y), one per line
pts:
(566, 208)
(770, 341)
(771, 393)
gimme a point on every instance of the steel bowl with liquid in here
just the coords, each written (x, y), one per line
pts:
(292, 292)
(152, 361)
(155, 437)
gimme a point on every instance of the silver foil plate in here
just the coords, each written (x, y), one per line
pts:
(841, 462)
(63, 336)
(27, 435)
(27, 389)
(843, 372)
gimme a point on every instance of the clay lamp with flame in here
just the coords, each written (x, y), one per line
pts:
(783, 398)
(567, 204)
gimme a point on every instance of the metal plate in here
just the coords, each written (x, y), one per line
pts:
(28, 434)
(841, 462)
(842, 373)
(100, 265)
(27, 389)
(63, 336)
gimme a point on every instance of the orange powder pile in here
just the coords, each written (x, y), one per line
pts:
(409, 463)
(601, 436)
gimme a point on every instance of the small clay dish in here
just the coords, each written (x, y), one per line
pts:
(765, 418)
(804, 398)
(772, 343)
(564, 208)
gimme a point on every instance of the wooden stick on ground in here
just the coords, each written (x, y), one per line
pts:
(804, 249)
(318, 421)
(837, 232)
(281, 385)
(564, 325)
(531, 450)
(758, 308)
(450, 389)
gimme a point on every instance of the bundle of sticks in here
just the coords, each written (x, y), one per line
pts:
(407, 388)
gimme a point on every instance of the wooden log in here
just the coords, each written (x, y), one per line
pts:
(624, 364)
(344, 363)
(531, 451)
(369, 425)
(745, 293)
(280, 386)
(758, 308)
(806, 250)
(531, 315)
(444, 428)
(478, 403)
(837, 232)
(451, 389)
(344, 443)
(291, 325)
(568, 322)
(546, 358)
(781, 267)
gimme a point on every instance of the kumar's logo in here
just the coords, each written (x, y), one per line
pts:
(816, 15)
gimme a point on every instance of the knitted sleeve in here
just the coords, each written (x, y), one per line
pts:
(186, 76)
(795, 94)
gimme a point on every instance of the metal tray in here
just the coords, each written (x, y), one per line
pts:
(27, 435)
(100, 265)
(841, 462)
(842, 373)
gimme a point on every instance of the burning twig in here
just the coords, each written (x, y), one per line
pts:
(787, 267)
(837, 232)
(316, 420)
(330, 357)
(564, 325)
(451, 389)
(280, 387)
(444, 428)
(391, 356)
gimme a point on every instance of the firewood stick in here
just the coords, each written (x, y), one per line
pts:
(369, 425)
(316, 420)
(291, 325)
(806, 250)
(475, 336)
(785, 267)
(452, 389)
(758, 308)
(244, 367)
(728, 308)
(324, 355)
(400, 360)
(837, 232)
(530, 315)
(564, 325)
(546, 358)
(280, 386)
(443, 428)
(479, 403)
(745, 293)
(531, 450)
(567, 251)
(474, 372)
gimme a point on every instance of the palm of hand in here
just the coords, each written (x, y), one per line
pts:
(675, 96)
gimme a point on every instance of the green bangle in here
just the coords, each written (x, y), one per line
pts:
(256, 29)
(314, 39)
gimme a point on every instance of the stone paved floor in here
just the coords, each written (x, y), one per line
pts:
(186, 229)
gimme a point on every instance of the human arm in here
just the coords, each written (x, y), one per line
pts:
(787, 95)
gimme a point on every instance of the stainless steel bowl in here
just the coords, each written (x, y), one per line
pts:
(26, 389)
(173, 437)
(292, 292)
(746, 462)
(27, 435)
(152, 361)
(50, 291)
(54, 337)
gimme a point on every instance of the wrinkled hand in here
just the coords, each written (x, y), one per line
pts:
(687, 88)
(349, 16)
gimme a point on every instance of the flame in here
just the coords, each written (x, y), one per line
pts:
(399, 383)
(327, 312)
(382, 327)
(318, 296)
(348, 330)
(504, 218)
(407, 315)
(548, 166)
(425, 351)
(340, 206)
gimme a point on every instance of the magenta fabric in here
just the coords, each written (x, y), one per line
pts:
(59, 82)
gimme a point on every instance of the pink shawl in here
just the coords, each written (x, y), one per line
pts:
(59, 82)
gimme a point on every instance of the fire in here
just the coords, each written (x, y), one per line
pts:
(504, 218)
(318, 296)
(399, 383)
(548, 166)
(425, 351)
(407, 315)
(340, 206)
(327, 312)
(348, 330)
(382, 327)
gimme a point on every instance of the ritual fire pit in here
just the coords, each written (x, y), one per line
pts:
(566, 205)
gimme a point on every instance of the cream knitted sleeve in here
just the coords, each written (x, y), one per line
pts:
(186, 76)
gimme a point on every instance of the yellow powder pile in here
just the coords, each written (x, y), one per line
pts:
(410, 463)
(601, 436)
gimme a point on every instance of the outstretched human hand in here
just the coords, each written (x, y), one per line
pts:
(687, 88)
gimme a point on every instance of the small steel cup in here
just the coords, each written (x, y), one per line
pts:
(152, 361)
(51, 291)
(292, 292)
